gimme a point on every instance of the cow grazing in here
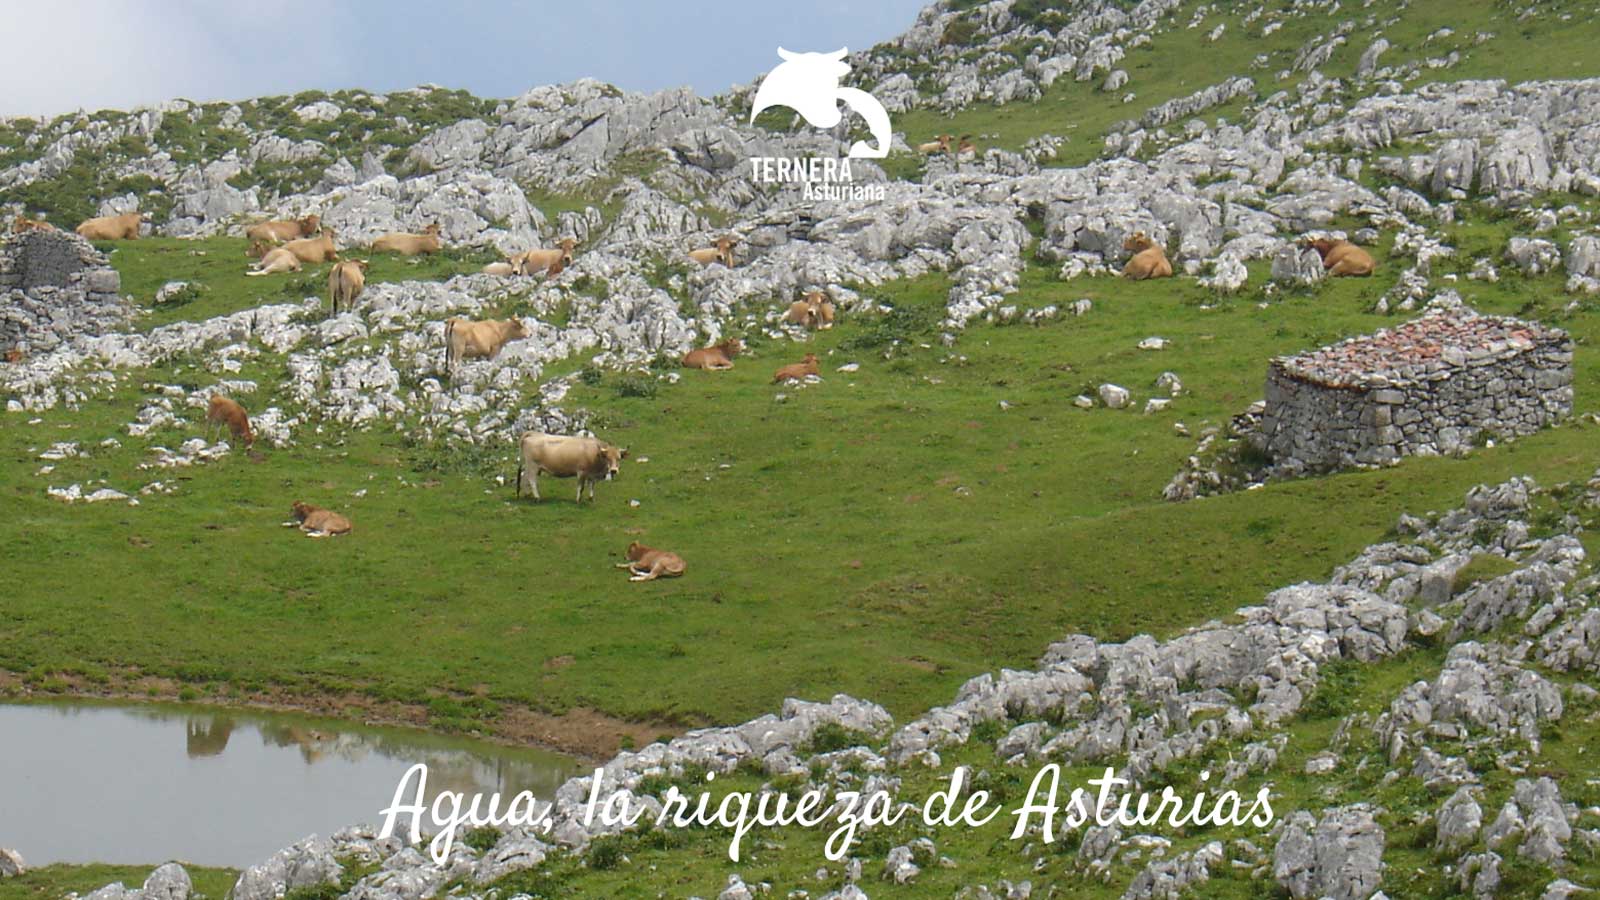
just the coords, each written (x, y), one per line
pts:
(1342, 257)
(543, 258)
(588, 459)
(648, 563)
(941, 144)
(112, 228)
(223, 411)
(797, 371)
(410, 244)
(281, 230)
(465, 339)
(715, 358)
(278, 259)
(318, 522)
(346, 281)
(317, 249)
(23, 225)
(1149, 260)
(722, 252)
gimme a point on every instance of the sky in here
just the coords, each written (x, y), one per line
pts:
(116, 54)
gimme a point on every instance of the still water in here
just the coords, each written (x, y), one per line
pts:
(89, 782)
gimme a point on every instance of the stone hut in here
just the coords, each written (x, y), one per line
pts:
(1433, 385)
(54, 285)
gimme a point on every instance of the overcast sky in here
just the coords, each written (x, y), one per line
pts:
(96, 54)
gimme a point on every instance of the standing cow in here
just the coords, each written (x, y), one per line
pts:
(465, 339)
(590, 459)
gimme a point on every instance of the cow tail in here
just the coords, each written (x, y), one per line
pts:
(519, 471)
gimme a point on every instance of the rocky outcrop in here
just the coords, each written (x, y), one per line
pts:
(54, 286)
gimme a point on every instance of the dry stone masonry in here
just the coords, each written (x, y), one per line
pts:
(53, 286)
(1433, 385)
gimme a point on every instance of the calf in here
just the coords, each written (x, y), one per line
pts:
(278, 231)
(23, 225)
(588, 459)
(1149, 260)
(537, 258)
(722, 252)
(346, 281)
(805, 311)
(714, 358)
(799, 370)
(648, 563)
(223, 411)
(941, 144)
(112, 228)
(464, 339)
(318, 522)
(1342, 257)
(278, 259)
(410, 244)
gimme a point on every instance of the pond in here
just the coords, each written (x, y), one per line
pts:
(132, 783)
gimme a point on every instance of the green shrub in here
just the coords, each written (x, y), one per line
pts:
(636, 386)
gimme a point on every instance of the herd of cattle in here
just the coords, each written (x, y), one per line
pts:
(289, 244)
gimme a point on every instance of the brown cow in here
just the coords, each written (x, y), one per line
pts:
(112, 228)
(648, 563)
(966, 150)
(1342, 257)
(537, 258)
(223, 411)
(799, 370)
(941, 144)
(346, 281)
(590, 459)
(280, 230)
(805, 311)
(314, 249)
(503, 268)
(722, 252)
(23, 225)
(1149, 260)
(407, 244)
(318, 522)
(715, 358)
(258, 249)
(278, 259)
(464, 339)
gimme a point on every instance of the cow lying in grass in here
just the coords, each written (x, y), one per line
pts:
(541, 259)
(588, 459)
(317, 249)
(112, 228)
(318, 522)
(1342, 257)
(797, 371)
(1149, 260)
(407, 244)
(278, 259)
(715, 358)
(647, 563)
(278, 231)
(814, 311)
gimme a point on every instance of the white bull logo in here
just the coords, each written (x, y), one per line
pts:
(808, 83)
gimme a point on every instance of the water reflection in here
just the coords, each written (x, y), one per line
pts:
(245, 784)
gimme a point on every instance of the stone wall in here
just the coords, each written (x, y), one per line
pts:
(54, 285)
(1437, 384)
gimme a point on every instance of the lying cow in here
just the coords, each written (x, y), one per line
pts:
(722, 252)
(648, 563)
(112, 228)
(589, 459)
(464, 339)
(278, 259)
(715, 358)
(407, 244)
(941, 144)
(281, 230)
(222, 411)
(23, 225)
(317, 249)
(1342, 257)
(541, 259)
(346, 281)
(1149, 259)
(318, 522)
(814, 311)
(797, 371)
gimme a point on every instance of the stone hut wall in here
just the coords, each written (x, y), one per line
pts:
(1482, 376)
(55, 285)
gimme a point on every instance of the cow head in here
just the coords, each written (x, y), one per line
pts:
(725, 247)
(310, 224)
(515, 330)
(432, 230)
(258, 249)
(301, 510)
(731, 347)
(566, 245)
(810, 360)
(1137, 241)
(611, 458)
(636, 551)
(1321, 245)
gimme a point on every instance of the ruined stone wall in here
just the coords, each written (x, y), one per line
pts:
(53, 286)
(1445, 404)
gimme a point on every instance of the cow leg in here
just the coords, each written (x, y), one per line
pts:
(653, 574)
(533, 483)
(580, 488)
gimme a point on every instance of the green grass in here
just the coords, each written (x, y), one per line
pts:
(54, 882)
(887, 533)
